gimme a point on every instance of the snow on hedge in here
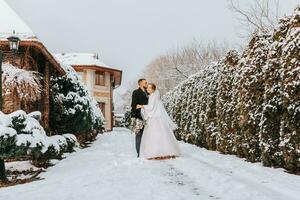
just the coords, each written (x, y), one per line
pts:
(79, 109)
(21, 135)
(76, 79)
(247, 104)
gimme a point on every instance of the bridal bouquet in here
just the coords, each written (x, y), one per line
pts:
(137, 125)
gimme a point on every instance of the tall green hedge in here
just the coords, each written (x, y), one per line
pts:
(247, 104)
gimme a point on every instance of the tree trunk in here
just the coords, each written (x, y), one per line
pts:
(2, 170)
(46, 97)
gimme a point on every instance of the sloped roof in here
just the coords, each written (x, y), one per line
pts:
(83, 59)
(10, 22)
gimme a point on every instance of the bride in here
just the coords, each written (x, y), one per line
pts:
(158, 141)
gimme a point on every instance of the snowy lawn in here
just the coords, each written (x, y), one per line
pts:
(19, 166)
(110, 170)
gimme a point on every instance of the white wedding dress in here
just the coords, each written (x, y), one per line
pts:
(158, 138)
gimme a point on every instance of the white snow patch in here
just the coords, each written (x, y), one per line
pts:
(110, 170)
(20, 166)
(90, 59)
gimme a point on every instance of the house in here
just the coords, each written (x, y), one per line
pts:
(31, 93)
(99, 79)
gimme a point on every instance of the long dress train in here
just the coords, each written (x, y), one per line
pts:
(158, 138)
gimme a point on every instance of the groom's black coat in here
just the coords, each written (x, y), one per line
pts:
(138, 97)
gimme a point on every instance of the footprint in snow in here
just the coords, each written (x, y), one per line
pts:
(182, 180)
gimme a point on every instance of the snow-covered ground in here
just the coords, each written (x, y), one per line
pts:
(20, 166)
(109, 170)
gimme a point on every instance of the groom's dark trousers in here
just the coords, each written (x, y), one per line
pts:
(139, 97)
(138, 139)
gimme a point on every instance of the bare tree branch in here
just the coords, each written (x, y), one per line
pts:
(259, 15)
(175, 66)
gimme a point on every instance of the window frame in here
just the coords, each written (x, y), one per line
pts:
(98, 80)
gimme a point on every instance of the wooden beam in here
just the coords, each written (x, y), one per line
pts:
(46, 97)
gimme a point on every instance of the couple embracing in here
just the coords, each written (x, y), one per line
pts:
(154, 134)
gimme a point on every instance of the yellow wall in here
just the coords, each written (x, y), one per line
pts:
(101, 93)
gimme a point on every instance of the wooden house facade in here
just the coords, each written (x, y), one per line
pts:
(32, 56)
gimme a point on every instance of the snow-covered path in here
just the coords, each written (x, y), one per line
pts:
(109, 170)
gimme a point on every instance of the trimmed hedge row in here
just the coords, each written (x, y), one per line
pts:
(22, 137)
(247, 104)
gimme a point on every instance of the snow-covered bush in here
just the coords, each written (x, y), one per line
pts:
(282, 97)
(247, 104)
(7, 140)
(73, 110)
(27, 84)
(127, 118)
(192, 105)
(71, 142)
(226, 101)
(22, 136)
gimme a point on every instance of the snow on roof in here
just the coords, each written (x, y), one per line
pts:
(10, 22)
(81, 59)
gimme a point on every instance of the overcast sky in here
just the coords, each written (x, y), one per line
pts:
(128, 34)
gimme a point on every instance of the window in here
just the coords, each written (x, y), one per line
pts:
(99, 78)
(102, 107)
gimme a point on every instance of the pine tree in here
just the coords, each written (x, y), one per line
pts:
(72, 108)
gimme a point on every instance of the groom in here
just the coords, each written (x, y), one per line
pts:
(139, 96)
